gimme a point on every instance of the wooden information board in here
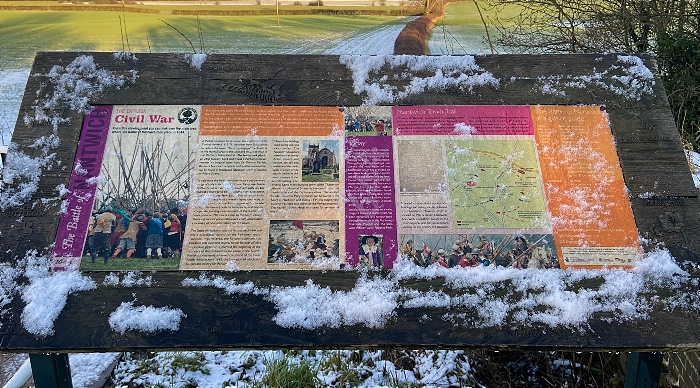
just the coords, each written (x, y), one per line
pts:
(348, 201)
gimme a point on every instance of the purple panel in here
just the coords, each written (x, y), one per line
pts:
(72, 229)
(462, 120)
(370, 207)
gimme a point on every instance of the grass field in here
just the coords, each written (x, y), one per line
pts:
(24, 33)
(461, 31)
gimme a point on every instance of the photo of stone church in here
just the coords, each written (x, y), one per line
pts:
(320, 161)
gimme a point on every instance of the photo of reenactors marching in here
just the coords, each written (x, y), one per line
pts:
(449, 251)
(304, 241)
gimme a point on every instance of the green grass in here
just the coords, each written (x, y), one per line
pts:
(132, 264)
(318, 178)
(461, 31)
(367, 133)
(283, 373)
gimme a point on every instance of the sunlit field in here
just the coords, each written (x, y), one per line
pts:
(25, 33)
(462, 31)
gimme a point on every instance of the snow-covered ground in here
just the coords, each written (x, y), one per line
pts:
(12, 82)
(379, 41)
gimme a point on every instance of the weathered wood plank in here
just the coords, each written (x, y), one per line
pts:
(664, 201)
(222, 321)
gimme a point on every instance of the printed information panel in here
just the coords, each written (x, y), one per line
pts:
(308, 187)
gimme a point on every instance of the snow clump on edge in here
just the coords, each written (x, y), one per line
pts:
(47, 293)
(196, 60)
(447, 71)
(370, 302)
(145, 318)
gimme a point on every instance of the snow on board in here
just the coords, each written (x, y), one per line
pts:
(559, 186)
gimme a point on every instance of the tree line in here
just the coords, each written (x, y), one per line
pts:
(667, 29)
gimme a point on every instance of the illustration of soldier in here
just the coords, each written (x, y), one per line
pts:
(371, 251)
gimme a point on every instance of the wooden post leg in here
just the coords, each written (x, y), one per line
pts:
(51, 370)
(643, 370)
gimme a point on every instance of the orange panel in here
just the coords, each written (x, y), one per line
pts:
(591, 216)
(242, 120)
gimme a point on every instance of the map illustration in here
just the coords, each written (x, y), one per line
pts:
(495, 183)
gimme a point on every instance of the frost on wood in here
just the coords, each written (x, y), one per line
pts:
(47, 294)
(421, 72)
(370, 303)
(69, 87)
(148, 319)
(628, 78)
(230, 286)
(72, 87)
(131, 279)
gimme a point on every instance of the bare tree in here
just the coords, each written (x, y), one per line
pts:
(668, 29)
(583, 26)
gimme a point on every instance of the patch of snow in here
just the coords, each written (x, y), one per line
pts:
(47, 294)
(73, 86)
(630, 79)
(232, 266)
(647, 195)
(8, 286)
(370, 303)
(230, 286)
(196, 60)
(12, 84)
(218, 369)
(125, 56)
(203, 200)
(20, 177)
(85, 367)
(423, 72)
(131, 279)
(147, 319)
(464, 129)
(527, 296)
(548, 297)
(248, 368)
